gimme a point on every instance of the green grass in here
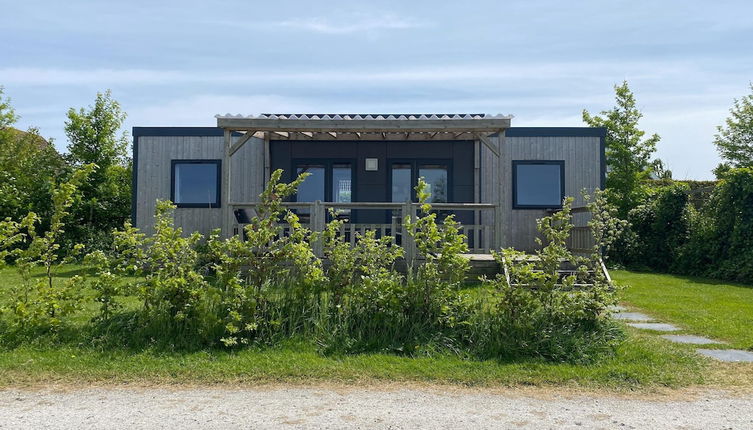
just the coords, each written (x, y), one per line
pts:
(642, 361)
(639, 363)
(717, 309)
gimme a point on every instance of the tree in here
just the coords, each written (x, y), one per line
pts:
(94, 138)
(28, 166)
(734, 140)
(628, 153)
(93, 133)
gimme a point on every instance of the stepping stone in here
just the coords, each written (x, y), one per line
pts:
(632, 316)
(617, 308)
(686, 338)
(729, 355)
(654, 326)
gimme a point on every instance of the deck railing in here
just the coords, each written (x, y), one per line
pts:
(581, 240)
(480, 237)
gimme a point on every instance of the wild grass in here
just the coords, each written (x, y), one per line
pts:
(78, 355)
(640, 362)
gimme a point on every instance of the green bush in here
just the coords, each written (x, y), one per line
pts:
(266, 278)
(658, 228)
(535, 310)
(176, 291)
(721, 243)
(674, 230)
(43, 302)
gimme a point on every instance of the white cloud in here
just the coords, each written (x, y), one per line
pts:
(358, 23)
(34, 76)
(200, 110)
(577, 73)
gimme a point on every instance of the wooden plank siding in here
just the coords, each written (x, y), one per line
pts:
(478, 174)
(154, 174)
(582, 157)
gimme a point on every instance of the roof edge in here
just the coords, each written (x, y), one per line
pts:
(177, 131)
(556, 132)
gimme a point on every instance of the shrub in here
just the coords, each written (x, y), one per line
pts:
(721, 244)
(536, 310)
(264, 277)
(176, 299)
(658, 229)
(115, 271)
(434, 283)
(365, 295)
(270, 285)
(43, 303)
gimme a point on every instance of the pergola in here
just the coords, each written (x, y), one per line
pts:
(238, 129)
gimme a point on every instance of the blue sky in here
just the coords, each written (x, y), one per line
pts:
(179, 63)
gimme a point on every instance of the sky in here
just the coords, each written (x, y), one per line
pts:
(180, 63)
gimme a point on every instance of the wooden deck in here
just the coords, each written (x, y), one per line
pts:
(483, 264)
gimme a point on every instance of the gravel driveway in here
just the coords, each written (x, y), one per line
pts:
(285, 407)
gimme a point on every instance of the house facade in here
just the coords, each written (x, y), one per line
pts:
(495, 178)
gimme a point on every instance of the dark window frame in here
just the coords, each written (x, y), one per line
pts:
(218, 202)
(516, 163)
(416, 163)
(327, 162)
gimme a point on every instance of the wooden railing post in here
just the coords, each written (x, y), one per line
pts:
(497, 228)
(409, 245)
(318, 220)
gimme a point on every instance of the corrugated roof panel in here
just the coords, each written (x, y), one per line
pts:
(382, 116)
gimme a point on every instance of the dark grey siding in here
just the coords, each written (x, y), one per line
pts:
(372, 186)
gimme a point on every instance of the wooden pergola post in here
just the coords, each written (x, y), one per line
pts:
(500, 222)
(227, 211)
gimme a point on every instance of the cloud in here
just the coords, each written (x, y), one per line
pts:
(199, 110)
(34, 76)
(358, 23)
(469, 74)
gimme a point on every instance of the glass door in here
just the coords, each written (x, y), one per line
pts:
(342, 187)
(329, 181)
(404, 178)
(312, 188)
(435, 176)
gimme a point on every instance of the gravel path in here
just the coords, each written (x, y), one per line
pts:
(276, 407)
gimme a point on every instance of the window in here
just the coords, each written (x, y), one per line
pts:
(435, 176)
(404, 177)
(328, 181)
(196, 183)
(538, 184)
(312, 188)
(402, 185)
(341, 183)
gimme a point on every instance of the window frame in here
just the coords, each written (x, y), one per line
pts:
(327, 163)
(516, 163)
(416, 164)
(217, 203)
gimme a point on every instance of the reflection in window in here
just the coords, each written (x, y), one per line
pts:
(401, 182)
(327, 182)
(342, 187)
(435, 176)
(196, 183)
(312, 188)
(538, 184)
(341, 183)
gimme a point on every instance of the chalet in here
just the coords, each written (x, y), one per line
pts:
(497, 179)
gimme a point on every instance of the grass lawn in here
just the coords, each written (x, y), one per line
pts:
(716, 309)
(642, 361)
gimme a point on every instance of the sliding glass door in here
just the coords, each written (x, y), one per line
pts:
(328, 181)
(404, 178)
